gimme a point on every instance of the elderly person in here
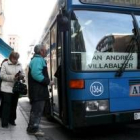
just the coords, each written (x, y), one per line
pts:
(9, 75)
(0, 88)
(38, 82)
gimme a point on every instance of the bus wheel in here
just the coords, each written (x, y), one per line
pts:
(48, 111)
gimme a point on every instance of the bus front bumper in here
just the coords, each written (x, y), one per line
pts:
(81, 118)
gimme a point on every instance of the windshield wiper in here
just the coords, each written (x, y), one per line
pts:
(130, 47)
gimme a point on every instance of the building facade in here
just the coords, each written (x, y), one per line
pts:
(13, 41)
(1, 17)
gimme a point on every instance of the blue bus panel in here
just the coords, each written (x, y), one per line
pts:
(124, 94)
(94, 89)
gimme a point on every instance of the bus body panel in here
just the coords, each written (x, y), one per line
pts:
(124, 104)
(124, 94)
(90, 92)
(119, 88)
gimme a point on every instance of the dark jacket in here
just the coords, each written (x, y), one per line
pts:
(38, 79)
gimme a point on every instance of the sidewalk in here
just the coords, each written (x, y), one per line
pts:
(17, 132)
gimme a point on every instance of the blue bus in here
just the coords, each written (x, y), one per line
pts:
(93, 56)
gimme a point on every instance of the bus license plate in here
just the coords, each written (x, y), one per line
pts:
(136, 116)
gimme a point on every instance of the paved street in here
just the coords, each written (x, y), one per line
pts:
(54, 131)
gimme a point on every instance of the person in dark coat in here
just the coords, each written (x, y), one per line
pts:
(38, 81)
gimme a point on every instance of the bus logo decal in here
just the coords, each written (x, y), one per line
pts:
(96, 88)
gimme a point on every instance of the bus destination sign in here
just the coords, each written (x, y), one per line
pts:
(132, 3)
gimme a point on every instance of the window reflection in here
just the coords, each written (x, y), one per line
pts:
(48, 54)
(103, 34)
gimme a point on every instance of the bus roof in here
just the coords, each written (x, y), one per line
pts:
(130, 6)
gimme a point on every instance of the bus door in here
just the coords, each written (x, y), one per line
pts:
(53, 42)
(60, 75)
(56, 72)
(57, 68)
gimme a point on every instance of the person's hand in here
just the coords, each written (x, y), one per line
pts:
(15, 78)
(23, 80)
(19, 77)
(18, 74)
(51, 83)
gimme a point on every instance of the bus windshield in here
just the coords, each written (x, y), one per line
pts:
(100, 41)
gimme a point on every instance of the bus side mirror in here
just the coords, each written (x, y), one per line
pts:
(63, 23)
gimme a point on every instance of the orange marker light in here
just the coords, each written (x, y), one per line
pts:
(77, 84)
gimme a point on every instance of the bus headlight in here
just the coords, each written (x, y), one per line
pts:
(99, 105)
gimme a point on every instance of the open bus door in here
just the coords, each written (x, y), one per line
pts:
(59, 97)
(57, 106)
(52, 105)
